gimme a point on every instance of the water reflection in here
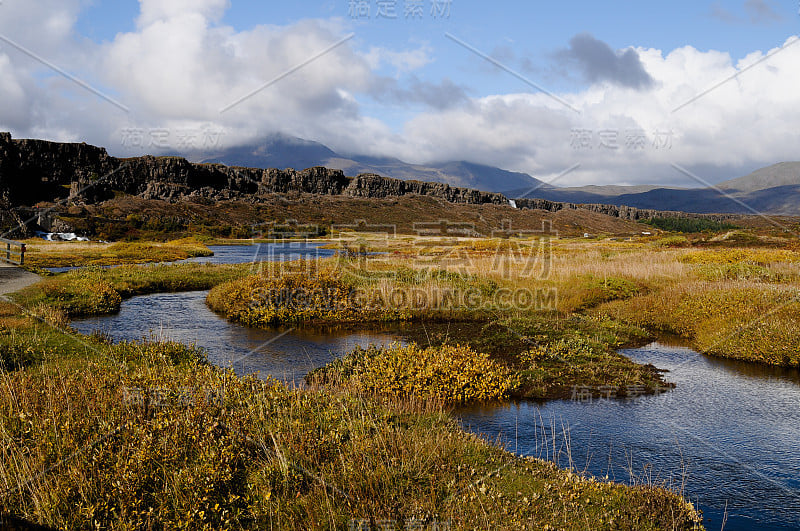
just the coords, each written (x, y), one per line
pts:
(728, 435)
(287, 354)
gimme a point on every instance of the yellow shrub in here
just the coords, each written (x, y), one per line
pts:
(294, 297)
(737, 256)
(451, 373)
(82, 294)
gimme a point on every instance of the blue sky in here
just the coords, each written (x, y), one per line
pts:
(401, 87)
(532, 30)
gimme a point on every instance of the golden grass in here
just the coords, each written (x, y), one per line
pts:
(166, 441)
(42, 254)
(148, 436)
(98, 291)
(449, 373)
(744, 320)
(175, 443)
(749, 290)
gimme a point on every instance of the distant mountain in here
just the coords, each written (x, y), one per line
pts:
(771, 190)
(282, 151)
(277, 151)
(777, 175)
(584, 194)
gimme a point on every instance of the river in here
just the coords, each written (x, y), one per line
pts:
(728, 435)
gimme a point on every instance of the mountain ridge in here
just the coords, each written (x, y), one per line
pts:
(773, 189)
(283, 151)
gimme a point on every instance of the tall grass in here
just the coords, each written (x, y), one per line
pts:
(735, 319)
(72, 254)
(734, 302)
(149, 436)
(337, 292)
(97, 291)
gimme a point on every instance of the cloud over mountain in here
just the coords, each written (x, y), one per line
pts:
(180, 65)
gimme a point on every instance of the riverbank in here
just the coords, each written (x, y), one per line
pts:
(272, 455)
(44, 254)
(149, 434)
(98, 291)
(734, 295)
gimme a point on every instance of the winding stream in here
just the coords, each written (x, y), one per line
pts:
(285, 353)
(728, 435)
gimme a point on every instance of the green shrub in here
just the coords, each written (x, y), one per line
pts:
(675, 224)
(86, 293)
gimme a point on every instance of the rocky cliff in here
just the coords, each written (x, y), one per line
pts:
(622, 212)
(35, 170)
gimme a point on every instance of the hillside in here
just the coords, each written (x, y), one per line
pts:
(282, 151)
(33, 171)
(36, 173)
(772, 190)
(775, 176)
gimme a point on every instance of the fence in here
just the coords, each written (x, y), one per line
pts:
(15, 252)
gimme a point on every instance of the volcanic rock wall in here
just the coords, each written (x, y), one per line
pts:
(37, 170)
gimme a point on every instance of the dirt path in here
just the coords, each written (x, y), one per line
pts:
(12, 279)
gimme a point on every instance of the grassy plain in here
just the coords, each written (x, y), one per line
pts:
(147, 435)
(42, 254)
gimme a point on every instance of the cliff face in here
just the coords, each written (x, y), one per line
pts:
(33, 171)
(371, 185)
(36, 170)
(622, 212)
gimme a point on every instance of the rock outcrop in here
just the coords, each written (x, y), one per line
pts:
(33, 171)
(622, 212)
(371, 185)
(36, 170)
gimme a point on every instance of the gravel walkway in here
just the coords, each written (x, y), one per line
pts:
(12, 278)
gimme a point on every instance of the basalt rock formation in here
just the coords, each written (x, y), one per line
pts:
(622, 212)
(38, 171)
(35, 170)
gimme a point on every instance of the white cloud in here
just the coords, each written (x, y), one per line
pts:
(181, 65)
(401, 61)
(14, 105)
(747, 120)
(155, 10)
(45, 25)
